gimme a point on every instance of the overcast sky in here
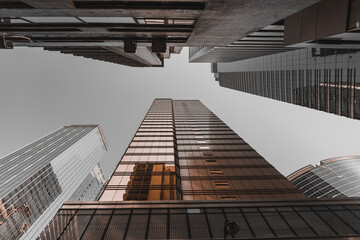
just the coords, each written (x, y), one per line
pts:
(41, 91)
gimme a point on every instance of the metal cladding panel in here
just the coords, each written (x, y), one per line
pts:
(290, 219)
(332, 18)
(354, 13)
(324, 19)
(308, 24)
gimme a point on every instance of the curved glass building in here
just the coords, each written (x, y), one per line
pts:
(334, 177)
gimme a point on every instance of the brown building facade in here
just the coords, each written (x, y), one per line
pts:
(184, 151)
(185, 175)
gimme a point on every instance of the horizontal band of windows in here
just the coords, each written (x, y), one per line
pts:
(240, 191)
(149, 154)
(219, 150)
(150, 134)
(142, 162)
(158, 146)
(159, 119)
(196, 121)
(157, 122)
(170, 119)
(195, 117)
(150, 149)
(156, 126)
(240, 166)
(144, 138)
(207, 133)
(139, 173)
(165, 141)
(193, 113)
(201, 129)
(148, 131)
(219, 158)
(205, 138)
(225, 177)
(198, 124)
(142, 187)
(211, 144)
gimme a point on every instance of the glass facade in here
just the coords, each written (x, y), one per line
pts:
(322, 79)
(333, 178)
(184, 151)
(184, 174)
(38, 178)
(147, 170)
(91, 188)
(23, 205)
(215, 163)
(286, 219)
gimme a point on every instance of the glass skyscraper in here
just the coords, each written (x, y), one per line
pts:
(184, 151)
(322, 79)
(333, 178)
(38, 178)
(184, 174)
(92, 186)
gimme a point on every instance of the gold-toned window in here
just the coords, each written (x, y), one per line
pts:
(210, 161)
(228, 197)
(222, 184)
(208, 154)
(216, 171)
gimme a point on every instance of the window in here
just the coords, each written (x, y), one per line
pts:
(208, 154)
(53, 19)
(210, 161)
(204, 147)
(222, 184)
(216, 171)
(108, 19)
(154, 21)
(228, 197)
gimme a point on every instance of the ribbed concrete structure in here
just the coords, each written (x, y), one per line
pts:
(135, 33)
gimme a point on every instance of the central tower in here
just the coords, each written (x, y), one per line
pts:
(182, 150)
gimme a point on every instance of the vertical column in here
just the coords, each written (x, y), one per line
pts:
(215, 163)
(147, 169)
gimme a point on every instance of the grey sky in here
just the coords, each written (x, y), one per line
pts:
(41, 91)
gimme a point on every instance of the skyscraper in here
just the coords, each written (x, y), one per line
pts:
(184, 175)
(92, 186)
(324, 24)
(38, 178)
(134, 33)
(184, 151)
(309, 58)
(321, 79)
(333, 178)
